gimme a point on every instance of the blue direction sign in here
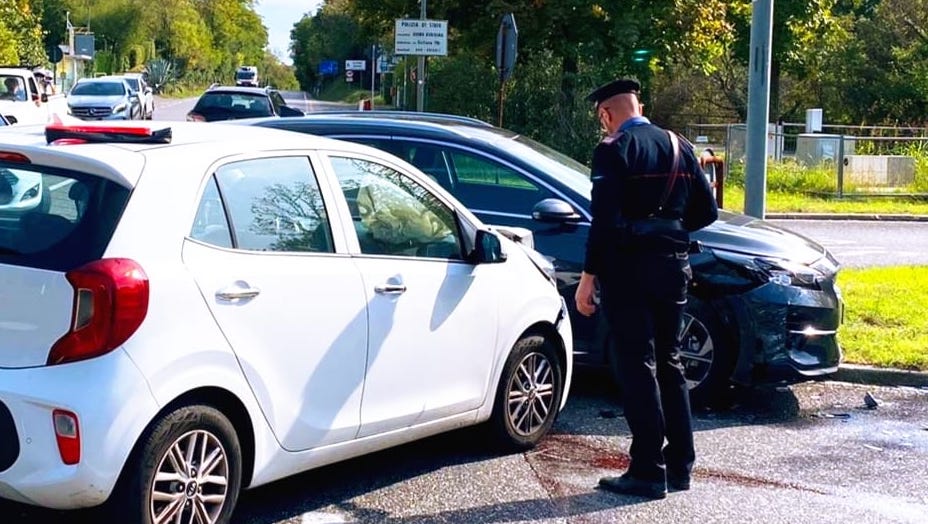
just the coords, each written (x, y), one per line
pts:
(328, 68)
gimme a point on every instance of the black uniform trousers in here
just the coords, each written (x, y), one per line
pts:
(643, 296)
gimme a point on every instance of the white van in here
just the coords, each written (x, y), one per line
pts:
(246, 76)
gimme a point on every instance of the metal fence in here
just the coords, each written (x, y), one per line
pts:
(839, 161)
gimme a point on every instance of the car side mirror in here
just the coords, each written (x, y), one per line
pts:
(487, 248)
(290, 111)
(555, 210)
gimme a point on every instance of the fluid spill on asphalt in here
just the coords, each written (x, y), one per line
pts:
(560, 456)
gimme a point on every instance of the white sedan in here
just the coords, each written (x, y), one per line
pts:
(208, 308)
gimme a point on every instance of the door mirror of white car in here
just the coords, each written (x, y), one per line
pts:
(555, 210)
(487, 248)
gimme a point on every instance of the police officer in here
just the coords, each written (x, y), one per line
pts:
(643, 209)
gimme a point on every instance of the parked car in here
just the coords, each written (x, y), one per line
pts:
(24, 96)
(104, 98)
(235, 102)
(763, 307)
(146, 97)
(207, 308)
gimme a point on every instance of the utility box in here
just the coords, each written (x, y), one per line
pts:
(813, 149)
(879, 170)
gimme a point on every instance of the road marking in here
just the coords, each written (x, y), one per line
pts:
(321, 517)
(60, 185)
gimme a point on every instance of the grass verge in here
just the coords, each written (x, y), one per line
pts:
(884, 322)
(779, 202)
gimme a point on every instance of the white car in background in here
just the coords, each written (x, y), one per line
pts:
(146, 96)
(208, 308)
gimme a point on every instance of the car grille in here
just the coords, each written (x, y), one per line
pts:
(91, 112)
(9, 440)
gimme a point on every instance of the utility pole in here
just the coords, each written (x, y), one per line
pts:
(373, 71)
(755, 180)
(420, 71)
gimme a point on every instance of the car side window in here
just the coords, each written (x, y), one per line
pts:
(210, 225)
(395, 215)
(482, 184)
(274, 204)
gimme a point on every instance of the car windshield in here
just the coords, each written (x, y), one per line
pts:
(99, 89)
(568, 171)
(245, 75)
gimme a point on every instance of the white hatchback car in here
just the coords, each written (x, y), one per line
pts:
(205, 308)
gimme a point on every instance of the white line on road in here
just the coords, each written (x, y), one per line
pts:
(321, 517)
(61, 184)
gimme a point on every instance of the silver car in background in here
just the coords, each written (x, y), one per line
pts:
(105, 98)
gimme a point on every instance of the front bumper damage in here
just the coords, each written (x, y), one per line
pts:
(786, 333)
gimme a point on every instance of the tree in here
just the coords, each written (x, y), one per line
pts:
(20, 34)
(328, 35)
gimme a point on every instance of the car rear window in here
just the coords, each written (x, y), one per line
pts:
(56, 219)
(239, 105)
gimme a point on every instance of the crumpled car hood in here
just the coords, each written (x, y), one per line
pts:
(752, 236)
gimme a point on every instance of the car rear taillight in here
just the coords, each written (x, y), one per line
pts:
(68, 436)
(110, 303)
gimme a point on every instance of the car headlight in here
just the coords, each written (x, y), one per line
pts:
(788, 273)
(775, 270)
(30, 193)
(120, 108)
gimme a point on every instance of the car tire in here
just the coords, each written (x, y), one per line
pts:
(528, 395)
(176, 442)
(707, 355)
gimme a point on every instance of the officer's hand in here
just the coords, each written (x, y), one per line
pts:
(586, 292)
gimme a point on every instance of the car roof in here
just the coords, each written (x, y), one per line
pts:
(434, 126)
(238, 89)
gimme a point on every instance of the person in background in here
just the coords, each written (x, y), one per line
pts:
(14, 88)
(648, 194)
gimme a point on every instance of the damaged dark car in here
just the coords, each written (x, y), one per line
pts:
(763, 307)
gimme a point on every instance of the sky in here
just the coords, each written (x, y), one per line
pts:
(279, 17)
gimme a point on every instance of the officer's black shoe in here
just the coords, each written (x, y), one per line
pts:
(675, 483)
(628, 485)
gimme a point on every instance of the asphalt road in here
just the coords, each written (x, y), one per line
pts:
(861, 243)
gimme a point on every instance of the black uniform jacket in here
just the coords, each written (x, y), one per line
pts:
(630, 172)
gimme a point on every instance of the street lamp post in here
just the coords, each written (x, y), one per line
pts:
(420, 71)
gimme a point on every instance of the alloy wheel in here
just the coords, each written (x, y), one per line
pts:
(191, 482)
(531, 394)
(697, 352)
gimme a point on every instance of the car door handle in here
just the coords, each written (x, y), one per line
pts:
(237, 291)
(390, 289)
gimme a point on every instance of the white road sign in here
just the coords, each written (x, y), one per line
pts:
(421, 37)
(355, 65)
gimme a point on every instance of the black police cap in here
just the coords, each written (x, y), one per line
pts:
(616, 87)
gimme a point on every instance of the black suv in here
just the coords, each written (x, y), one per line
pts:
(763, 306)
(235, 102)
